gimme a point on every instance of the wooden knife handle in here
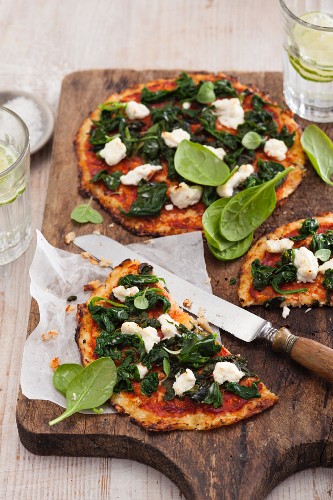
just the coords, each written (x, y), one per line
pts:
(316, 357)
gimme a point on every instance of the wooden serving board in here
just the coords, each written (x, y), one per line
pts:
(243, 461)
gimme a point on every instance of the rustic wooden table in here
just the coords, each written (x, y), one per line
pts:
(41, 42)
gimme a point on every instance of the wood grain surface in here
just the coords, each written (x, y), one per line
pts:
(293, 435)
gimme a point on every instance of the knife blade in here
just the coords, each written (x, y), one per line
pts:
(238, 321)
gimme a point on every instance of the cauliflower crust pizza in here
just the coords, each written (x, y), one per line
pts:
(292, 266)
(171, 374)
(126, 149)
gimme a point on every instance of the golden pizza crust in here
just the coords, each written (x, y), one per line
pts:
(152, 412)
(316, 294)
(178, 220)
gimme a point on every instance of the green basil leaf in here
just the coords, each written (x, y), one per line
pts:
(91, 388)
(251, 140)
(319, 149)
(323, 254)
(140, 302)
(248, 209)
(235, 250)
(64, 374)
(85, 213)
(199, 165)
(206, 93)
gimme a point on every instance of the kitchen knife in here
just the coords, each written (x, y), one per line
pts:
(235, 320)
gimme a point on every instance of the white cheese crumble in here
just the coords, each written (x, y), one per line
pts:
(219, 152)
(184, 382)
(307, 265)
(285, 312)
(120, 292)
(225, 371)
(186, 105)
(279, 246)
(149, 334)
(226, 190)
(174, 138)
(136, 110)
(113, 151)
(169, 206)
(168, 326)
(229, 112)
(142, 172)
(276, 149)
(184, 195)
(143, 370)
(325, 266)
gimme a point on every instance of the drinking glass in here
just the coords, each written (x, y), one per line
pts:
(308, 58)
(15, 217)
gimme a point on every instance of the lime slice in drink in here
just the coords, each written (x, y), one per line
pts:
(10, 184)
(314, 48)
(7, 157)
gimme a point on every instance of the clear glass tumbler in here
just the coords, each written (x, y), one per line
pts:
(308, 58)
(15, 213)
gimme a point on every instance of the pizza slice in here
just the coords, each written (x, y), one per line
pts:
(171, 374)
(292, 266)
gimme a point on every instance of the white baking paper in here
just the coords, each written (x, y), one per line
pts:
(56, 274)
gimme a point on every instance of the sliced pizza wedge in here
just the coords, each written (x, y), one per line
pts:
(171, 374)
(292, 266)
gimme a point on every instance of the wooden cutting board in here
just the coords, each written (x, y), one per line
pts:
(243, 461)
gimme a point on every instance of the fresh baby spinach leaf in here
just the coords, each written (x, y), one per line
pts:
(206, 93)
(248, 209)
(199, 165)
(90, 388)
(319, 149)
(233, 251)
(64, 374)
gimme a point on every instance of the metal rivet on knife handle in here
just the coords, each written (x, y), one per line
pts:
(308, 353)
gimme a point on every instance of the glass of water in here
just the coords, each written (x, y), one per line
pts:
(308, 58)
(15, 218)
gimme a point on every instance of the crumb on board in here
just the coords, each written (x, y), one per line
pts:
(285, 312)
(54, 363)
(70, 237)
(85, 255)
(111, 225)
(187, 303)
(96, 231)
(92, 285)
(308, 310)
(105, 262)
(202, 321)
(51, 334)
(208, 280)
(70, 309)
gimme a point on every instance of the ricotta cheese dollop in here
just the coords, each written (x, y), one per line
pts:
(120, 292)
(136, 110)
(276, 149)
(184, 382)
(183, 195)
(225, 371)
(325, 266)
(174, 138)
(226, 190)
(142, 172)
(229, 112)
(113, 152)
(219, 152)
(279, 246)
(168, 326)
(307, 265)
(149, 334)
